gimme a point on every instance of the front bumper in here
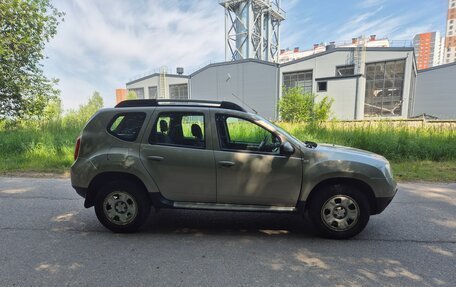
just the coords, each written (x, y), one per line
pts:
(383, 202)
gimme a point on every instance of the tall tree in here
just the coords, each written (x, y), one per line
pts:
(25, 27)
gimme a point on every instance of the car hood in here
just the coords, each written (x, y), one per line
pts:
(338, 152)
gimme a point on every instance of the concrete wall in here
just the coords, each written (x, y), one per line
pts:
(154, 80)
(253, 82)
(341, 91)
(436, 92)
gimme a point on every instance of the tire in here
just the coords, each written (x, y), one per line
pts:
(339, 211)
(122, 206)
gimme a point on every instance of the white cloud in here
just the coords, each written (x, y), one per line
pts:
(370, 3)
(395, 27)
(102, 44)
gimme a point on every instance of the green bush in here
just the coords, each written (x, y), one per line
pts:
(297, 106)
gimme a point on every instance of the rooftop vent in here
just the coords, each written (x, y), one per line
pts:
(180, 70)
(330, 47)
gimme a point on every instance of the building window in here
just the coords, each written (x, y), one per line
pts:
(322, 86)
(139, 92)
(345, 71)
(153, 92)
(178, 92)
(301, 79)
(384, 88)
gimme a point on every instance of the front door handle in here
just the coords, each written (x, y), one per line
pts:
(155, 158)
(226, 163)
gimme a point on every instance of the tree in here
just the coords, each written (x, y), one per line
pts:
(297, 106)
(25, 27)
(93, 105)
(53, 110)
(80, 116)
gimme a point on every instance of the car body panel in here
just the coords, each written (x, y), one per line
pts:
(194, 174)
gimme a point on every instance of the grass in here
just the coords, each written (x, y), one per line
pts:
(39, 148)
(437, 171)
(417, 152)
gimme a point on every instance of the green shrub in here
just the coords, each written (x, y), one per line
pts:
(297, 106)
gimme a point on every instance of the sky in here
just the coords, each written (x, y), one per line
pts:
(103, 44)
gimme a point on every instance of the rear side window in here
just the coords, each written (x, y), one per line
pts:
(126, 126)
(179, 129)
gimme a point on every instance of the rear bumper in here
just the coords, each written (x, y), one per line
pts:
(383, 202)
(82, 191)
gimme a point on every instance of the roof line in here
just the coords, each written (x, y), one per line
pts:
(437, 67)
(340, 49)
(231, 63)
(156, 74)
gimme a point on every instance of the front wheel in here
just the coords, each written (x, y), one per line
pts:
(122, 206)
(339, 211)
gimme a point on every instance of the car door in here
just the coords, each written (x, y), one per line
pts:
(179, 156)
(250, 166)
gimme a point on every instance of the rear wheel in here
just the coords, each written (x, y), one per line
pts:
(122, 206)
(339, 211)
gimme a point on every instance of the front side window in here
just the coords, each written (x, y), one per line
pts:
(179, 129)
(243, 135)
(126, 126)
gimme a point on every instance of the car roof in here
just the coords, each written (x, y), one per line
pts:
(180, 103)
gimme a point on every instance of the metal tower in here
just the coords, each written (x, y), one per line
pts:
(252, 29)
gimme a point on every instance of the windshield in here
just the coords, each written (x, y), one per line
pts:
(282, 131)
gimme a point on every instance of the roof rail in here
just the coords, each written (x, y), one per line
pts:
(169, 102)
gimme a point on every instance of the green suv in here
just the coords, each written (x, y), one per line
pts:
(216, 156)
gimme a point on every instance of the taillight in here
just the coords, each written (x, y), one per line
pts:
(76, 149)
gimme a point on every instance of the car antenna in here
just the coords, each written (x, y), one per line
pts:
(244, 103)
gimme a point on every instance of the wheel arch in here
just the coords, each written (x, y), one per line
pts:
(105, 177)
(363, 186)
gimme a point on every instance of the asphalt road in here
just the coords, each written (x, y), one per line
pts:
(47, 238)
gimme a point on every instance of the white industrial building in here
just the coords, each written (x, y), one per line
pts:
(250, 83)
(160, 86)
(365, 81)
(374, 82)
(436, 92)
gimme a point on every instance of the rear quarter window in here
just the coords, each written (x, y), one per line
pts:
(126, 126)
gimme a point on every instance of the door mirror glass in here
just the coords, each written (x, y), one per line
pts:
(286, 149)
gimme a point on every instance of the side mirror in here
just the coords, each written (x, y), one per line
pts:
(286, 149)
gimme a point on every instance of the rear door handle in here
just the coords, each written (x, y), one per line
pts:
(226, 163)
(155, 158)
